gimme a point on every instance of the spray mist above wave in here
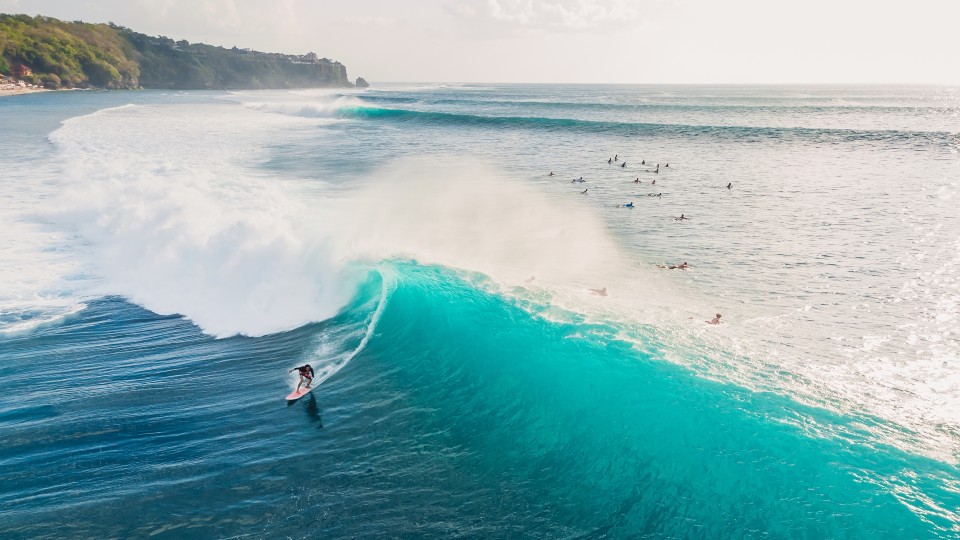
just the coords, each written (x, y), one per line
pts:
(177, 221)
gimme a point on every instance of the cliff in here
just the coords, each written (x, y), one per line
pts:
(59, 54)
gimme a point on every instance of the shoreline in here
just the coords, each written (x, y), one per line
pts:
(21, 90)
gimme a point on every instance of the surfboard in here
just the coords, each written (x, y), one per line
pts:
(297, 394)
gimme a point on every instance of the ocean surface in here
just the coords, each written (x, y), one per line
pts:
(167, 257)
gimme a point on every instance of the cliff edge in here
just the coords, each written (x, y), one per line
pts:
(57, 54)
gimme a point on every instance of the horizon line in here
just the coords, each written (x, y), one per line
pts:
(940, 84)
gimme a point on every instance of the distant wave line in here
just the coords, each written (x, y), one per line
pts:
(630, 128)
(646, 105)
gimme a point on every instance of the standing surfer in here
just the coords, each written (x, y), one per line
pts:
(306, 373)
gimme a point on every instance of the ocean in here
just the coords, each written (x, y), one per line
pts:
(501, 348)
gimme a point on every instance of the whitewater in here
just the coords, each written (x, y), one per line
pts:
(430, 249)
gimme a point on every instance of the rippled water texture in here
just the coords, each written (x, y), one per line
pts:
(168, 257)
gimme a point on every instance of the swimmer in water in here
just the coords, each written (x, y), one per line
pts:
(599, 292)
(584, 192)
(628, 205)
(681, 218)
(654, 182)
(637, 181)
(730, 185)
(551, 173)
(643, 162)
(609, 161)
(624, 164)
(715, 320)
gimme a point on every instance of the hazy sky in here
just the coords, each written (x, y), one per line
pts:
(604, 41)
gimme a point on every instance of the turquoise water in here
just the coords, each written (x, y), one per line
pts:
(168, 257)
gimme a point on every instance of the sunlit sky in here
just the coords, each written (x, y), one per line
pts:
(576, 41)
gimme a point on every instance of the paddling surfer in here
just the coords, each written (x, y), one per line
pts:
(306, 374)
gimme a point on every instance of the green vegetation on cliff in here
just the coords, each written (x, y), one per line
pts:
(82, 55)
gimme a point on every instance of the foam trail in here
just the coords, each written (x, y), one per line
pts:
(328, 367)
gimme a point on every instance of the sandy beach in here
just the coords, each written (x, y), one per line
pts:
(10, 87)
(20, 90)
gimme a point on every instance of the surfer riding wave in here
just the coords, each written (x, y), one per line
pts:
(306, 374)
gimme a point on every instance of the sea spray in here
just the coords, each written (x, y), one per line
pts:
(183, 229)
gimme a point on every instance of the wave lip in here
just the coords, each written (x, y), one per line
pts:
(310, 109)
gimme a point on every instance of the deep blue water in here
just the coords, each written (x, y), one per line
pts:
(168, 258)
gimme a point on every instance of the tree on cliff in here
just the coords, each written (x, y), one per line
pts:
(81, 54)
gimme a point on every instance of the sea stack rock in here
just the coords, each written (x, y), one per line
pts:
(361, 83)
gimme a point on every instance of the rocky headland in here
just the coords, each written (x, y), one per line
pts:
(42, 52)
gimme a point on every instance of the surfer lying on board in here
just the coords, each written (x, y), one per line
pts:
(306, 373)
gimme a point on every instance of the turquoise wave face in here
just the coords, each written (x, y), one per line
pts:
(620, 442)
(463, 415)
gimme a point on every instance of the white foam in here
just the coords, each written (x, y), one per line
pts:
(310, 109)
(40, 281)
(176, 223)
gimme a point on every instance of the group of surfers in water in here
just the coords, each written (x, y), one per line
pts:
(683, 217)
